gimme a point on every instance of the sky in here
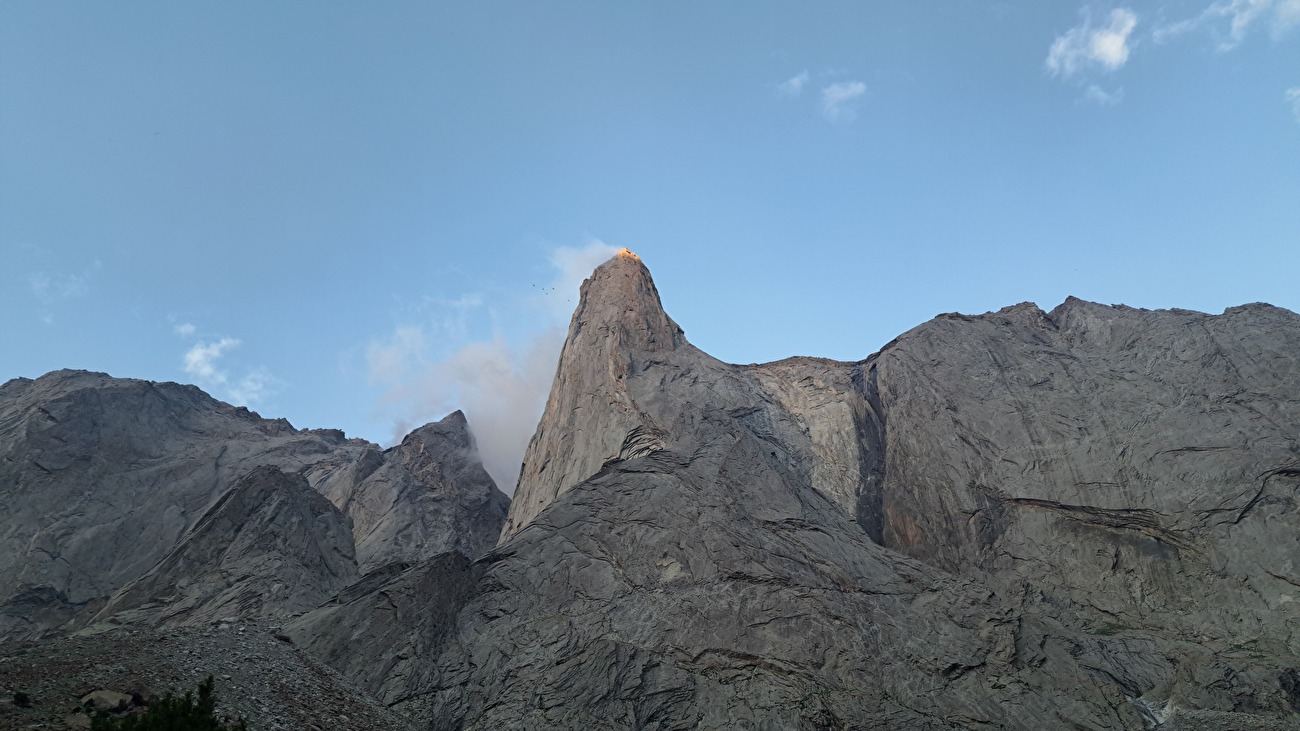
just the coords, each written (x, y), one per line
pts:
(366, 215)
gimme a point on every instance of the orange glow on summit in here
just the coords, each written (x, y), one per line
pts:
(628, 252)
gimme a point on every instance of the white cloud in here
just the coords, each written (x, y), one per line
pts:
(1085, 47)
(185, 329)
(1286, 16)
(793, 86)
(500, 386)
(1232, 20)
(201, 361)
(502, 390)
(838, 100)
(1292, 97)
(1096, 95)
(256, 385)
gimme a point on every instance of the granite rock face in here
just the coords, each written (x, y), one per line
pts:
(101, 478)
(1087, 518)
(386, 632)
(1134, 473)
(426, 496)
(1121, 482)
(701, 586)
(270, 546)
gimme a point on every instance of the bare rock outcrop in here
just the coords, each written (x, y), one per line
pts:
(101, 478)
(1122, 482)
(589, 414)
(626, 374)
(271, 546)
(1133, 472)
(701, 586)
(423, 497)
(386, 632)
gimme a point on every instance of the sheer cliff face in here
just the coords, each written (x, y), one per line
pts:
(270, 546)
(427, 495)
(102, 478)
(1124, 480)
(589, 411)
(627, 376)
(1141, 467)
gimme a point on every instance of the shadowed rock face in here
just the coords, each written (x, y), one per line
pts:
(385, 632)
(100, 478)
(270, 546)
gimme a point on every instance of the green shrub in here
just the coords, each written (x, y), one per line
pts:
(22, 700)
(170, 714)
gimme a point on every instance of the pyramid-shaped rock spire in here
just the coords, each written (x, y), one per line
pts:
(589, 412)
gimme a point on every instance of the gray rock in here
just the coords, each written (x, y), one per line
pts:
(1120, 480)
(271, 546)
(386, 632)
(428, 495)
(106, 701)
(100, 478)
(589, 413)
(701, 587)
(1134, 473)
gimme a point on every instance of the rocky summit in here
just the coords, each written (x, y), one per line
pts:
(1087, 518)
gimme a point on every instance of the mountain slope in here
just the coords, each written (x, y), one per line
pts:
(425, 496)
(270, 546)
(101, 477)
(1122, 480)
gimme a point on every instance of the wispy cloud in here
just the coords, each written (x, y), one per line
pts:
(388, 361)
(254, 386)
(1096, 95)
(50, 288)
(1230, 21)
(1085, 47)
(1292, 97)
(200, 361)
(839, 100)
(203, 363)
(501, 386)
(793, 86)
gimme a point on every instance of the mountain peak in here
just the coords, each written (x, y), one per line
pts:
(620, 301)
(619, 320)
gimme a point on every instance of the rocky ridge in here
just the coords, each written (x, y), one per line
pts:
(105, 482)
(1085, 518)
(1121, 482)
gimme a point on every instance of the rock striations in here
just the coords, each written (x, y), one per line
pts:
(195, 507)
(1087, 518)
(270, 546)
(426, 496)
(1078, 519)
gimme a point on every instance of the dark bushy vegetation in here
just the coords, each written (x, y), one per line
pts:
(22, 700)
(170, 714)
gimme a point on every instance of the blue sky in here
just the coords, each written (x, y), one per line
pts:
(365, 215)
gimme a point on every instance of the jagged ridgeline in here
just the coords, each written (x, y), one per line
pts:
(1085, 518)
